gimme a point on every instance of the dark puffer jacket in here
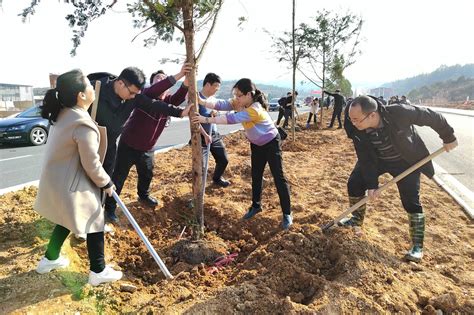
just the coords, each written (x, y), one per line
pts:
(400, 120)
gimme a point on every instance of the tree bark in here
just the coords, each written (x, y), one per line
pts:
(196, 147)
(293, 98)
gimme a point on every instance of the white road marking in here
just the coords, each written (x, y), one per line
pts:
(17, 157)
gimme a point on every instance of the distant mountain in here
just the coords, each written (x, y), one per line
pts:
(451, 91)
(443, 73)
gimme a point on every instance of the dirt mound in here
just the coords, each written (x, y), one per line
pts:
(298, 271)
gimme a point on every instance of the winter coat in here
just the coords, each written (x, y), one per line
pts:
(400, 120)
(69, 188)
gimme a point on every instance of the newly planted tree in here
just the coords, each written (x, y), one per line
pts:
(160, 19)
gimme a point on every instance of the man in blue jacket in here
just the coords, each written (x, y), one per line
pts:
(386, 141)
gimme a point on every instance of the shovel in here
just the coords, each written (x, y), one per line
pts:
(384, 187)
(145, 240)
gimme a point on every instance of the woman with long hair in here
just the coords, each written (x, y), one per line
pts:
(250, 106)
(72, 178)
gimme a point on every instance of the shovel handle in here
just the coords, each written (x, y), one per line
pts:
(385, 187)
(96, 100)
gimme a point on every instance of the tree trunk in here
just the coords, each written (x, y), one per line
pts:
(293, 98)
(322, 92)
(195, 135)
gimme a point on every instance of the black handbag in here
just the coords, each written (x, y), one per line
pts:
(282, 132)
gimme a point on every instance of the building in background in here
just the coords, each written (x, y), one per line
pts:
(15, 97)
(382, 91)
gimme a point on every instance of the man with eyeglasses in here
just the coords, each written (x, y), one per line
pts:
(386, 141)
(118, 97)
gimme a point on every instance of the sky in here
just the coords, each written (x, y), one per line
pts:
(401, 39)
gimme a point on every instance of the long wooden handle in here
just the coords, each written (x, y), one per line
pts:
(385, 187)
(96, 101)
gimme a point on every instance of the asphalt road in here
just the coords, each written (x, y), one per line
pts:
(460, 162)
(22, 164)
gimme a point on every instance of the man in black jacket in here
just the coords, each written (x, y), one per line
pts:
(386, 141)
(339, 102)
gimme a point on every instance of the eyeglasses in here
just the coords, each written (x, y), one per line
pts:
(360, 121)
(130, 91)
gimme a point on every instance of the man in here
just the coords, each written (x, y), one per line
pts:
(386, 141)
(288, 109)
(382, 100)
(139, 136)
(210, 86)
(281, 108)
(339, 103)
(404, 100)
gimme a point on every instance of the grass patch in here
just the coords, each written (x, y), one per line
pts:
(75, 283)
(43, 228)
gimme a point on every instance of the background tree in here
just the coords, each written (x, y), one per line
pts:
(330, 47)
(162, 17)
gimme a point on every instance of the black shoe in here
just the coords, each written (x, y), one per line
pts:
(221, 182)
(149, 200)
(111, 217)
(251, 213)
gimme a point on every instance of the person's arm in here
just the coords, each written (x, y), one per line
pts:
(217, 104)
(329, 93)
(156, 106)
(178, 97)
(87, 140)
(185, 69)
(420, 116)
(206, 136)
(159, 87)
(228, 119)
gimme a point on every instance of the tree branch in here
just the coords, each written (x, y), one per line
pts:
(153, 8)
(204, 44)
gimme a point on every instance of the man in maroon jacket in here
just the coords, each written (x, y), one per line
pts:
(139, 136)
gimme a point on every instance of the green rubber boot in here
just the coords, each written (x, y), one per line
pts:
(357, 216)
(417, 234)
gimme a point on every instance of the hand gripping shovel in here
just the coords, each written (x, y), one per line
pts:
(145, 240)
(384, 187)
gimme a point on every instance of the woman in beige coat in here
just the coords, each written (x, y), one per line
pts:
(69, 192)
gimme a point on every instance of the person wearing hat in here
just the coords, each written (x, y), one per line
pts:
(339, 102)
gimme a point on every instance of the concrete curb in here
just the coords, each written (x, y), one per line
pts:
(463, 196)
(18, 187)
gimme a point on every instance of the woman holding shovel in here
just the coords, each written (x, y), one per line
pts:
(69, 192)
(250, 108)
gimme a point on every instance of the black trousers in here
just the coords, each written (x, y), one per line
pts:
(281, 114)
(271, 153)
(336, 113)
(309, 118)
(408, 188)
(219, 153)
(95, 247)
(126, 158)
(288, 115)
(109, 160)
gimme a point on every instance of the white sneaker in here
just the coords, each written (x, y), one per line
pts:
(107, 275)
(45, 265)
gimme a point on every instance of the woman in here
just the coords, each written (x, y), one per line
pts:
(313, 111)
(265, 144)
(69, 192)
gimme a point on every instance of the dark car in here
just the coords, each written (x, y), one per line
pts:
(26, 127)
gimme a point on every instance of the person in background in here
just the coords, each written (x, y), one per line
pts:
(250, 107)
(313, 112)
(281, 108)
(386, 141)
(210, 86)
(288, 109)
(69, 192)
(339, 103)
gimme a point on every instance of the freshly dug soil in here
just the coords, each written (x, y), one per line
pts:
(275, 272)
